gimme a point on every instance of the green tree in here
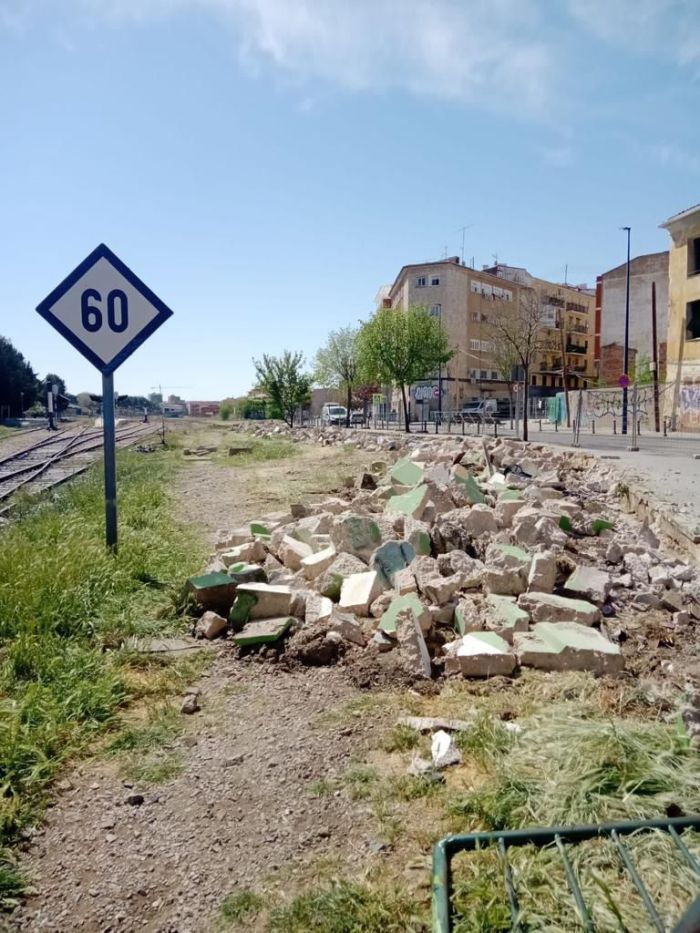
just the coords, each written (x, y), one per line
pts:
(19, 386)
(641, 372)
(86, 403)
(337, 364)
(399, 348)
(284, 382)
(226, 410)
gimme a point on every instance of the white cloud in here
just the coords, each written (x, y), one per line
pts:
(484, 52)
(670, 28)
(675, 157)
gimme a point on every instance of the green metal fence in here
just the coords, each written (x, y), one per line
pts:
(559, 838)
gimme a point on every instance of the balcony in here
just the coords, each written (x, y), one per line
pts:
(578, 329)
(576, 348)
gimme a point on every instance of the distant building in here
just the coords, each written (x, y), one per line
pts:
(200, 409)
(466, 300)
(682, 397)
(611, 289)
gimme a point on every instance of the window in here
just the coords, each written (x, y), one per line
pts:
(474, 344)
(484, 374)
(694, 256)
(435, 280)
(484, 318)
(421, 281)
(494, 374)
(472, 374)
(475, 316)
(436, 310)
(692, 320)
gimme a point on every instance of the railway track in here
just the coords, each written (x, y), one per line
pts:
(58, 458)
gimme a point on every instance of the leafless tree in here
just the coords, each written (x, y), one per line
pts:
(520, 333)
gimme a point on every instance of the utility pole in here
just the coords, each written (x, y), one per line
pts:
(564, 367)
(627, 332)
(655, 358)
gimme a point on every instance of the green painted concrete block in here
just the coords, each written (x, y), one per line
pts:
(420, 542)
(258, 530)
(469, 485)
(240, 611)
(409, 601)
(510, 495)
(392, 557)
(406, 472)
(412, 504)
(213, 591)
(264, 632)
(247, 573)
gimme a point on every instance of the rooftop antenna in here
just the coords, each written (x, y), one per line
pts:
(463, 230)
(444, 252)
(566, 273)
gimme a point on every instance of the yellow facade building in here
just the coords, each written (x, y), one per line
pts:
(682, 396)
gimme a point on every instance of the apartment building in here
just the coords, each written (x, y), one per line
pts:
(682, 398)
(466, 301)
(611, 296)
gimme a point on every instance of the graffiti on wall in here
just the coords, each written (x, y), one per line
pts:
(600, 403)
(689, 404)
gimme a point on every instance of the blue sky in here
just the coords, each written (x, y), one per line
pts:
(265, 165)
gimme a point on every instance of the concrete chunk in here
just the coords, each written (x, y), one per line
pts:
(355, 534)
(590, 583)
(318, 609)
(331, 580)
(484, 654)
(505, 617)
(214, 591)
(412, 648)
(268, 601)
(480, 520)
(545, 607)
(397, 605)
(264, 632)
(315, 564)
(405, 582)
(406, 473)
(568, 646)
(468, 484)
(292, 552)
(390, 558)
(543, 573)
(412, 504)
(348, 628)
(359, 590)
(211, 625)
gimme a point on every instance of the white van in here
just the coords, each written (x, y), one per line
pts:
(334, 414)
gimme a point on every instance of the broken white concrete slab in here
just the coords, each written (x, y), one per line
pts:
(359, 590)
(230, 539)
(505, 617)
(469, 570)
(211, 625)
(546, 607)
(412, 504)
(412, 648)
(506, 510)
(348, 628)
(484, 654)
(543, 573)
(439, 590)
(430, 723)
(292, 552)
(354, 534)
(405, 582)
(329, 583)
(250, 552)
(443, 750)
(590, 583)
(399, 603)
(480, 520)
(318, 609)
(315, 564)
(560, 646)
(267, 601)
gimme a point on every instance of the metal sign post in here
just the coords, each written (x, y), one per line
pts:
(106, 312)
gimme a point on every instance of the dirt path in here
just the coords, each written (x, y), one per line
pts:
(245, 810)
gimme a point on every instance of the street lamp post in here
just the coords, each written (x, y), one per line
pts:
(627, 333)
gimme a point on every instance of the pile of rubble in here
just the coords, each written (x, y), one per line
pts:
(321, 437)
(464, 557)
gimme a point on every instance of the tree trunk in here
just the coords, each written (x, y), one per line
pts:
(510, 405)
(405, 409)
(526, 398)
(349, 399)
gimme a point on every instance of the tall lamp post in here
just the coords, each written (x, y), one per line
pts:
(627, 333)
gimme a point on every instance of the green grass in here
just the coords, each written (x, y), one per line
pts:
(360, 781)
(346, 907)
(263, 450)
(239, 907)
(146, 750)
(401, 739)
(64, 603)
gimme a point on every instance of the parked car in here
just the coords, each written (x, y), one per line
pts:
(486, 410)
(357, 417)
(334, 414)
